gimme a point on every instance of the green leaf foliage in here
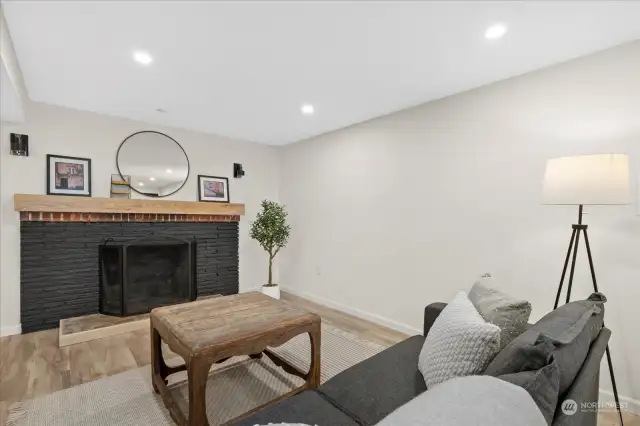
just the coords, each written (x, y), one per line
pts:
(270, 228)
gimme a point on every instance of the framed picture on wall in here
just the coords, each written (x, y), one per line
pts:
(213, 188)
(68, 175)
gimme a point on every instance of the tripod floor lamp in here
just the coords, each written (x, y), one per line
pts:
(586, 180)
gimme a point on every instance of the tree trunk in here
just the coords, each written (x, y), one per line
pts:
(270, 270)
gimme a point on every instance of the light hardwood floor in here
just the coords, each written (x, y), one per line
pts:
(33, 365)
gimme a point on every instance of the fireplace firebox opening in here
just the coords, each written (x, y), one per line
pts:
(146, 273)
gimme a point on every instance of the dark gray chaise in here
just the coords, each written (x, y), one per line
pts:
(367, 392)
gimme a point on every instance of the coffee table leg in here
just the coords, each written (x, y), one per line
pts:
(313, 379)
(158, 367)
(197, 373)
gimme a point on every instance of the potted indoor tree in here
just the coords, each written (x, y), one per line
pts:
(271, 231)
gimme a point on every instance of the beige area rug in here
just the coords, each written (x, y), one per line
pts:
(234, 387)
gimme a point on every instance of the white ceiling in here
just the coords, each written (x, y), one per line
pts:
(243, 69)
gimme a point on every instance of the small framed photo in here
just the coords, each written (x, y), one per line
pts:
(68, 176)
(213, 188)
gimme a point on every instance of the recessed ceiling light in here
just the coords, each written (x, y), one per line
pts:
(495, 31)
(169, 171)
(140, 183)
(152, 178)
(142, 57)
(307, 109)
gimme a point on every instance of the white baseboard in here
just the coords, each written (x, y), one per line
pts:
(395, 325)
(11, 330)
(632, 405)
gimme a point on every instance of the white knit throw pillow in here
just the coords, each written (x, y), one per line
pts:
(460, 343)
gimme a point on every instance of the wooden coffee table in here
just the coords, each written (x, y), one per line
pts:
(212, 330)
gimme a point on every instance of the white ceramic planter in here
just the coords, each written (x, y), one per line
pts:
(271, 291)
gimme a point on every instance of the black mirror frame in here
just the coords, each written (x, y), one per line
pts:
(159, 133)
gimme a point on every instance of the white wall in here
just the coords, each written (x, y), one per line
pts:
(3, 331)
(12, 88)
(404, 210)
(56, 130)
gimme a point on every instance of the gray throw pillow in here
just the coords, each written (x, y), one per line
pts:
(466, 401)
(496, 307)
(572, 328)
(460, 343)
(534, 369)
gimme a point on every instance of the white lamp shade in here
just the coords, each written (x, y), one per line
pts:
(587, 179)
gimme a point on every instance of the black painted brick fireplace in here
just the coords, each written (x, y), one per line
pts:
(60, 263)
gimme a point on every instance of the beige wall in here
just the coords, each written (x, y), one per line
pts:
(404, 210)
(57, 130)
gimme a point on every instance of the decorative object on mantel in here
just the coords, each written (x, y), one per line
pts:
(19, 145)
(115, 207)
(68, 175)
(601, 179)
(120, 186)
(213, 189)
(157, 164)
(271, 231)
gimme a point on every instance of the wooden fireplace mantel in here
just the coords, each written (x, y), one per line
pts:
(80, 205)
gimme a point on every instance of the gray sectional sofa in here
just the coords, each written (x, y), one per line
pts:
(367, 392)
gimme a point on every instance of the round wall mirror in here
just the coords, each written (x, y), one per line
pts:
(154, 163)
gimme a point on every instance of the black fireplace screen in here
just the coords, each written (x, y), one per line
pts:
(143, 274)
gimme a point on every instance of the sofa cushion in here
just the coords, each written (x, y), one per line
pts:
(496, 307)
(542, 385)
(370, 390)
(465, 401)
(535, 370)
(571, 327)
(460, 343)
(585, 389)
(307, 408)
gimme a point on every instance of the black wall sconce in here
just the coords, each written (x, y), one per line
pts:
(19, 145)
(237, 170)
